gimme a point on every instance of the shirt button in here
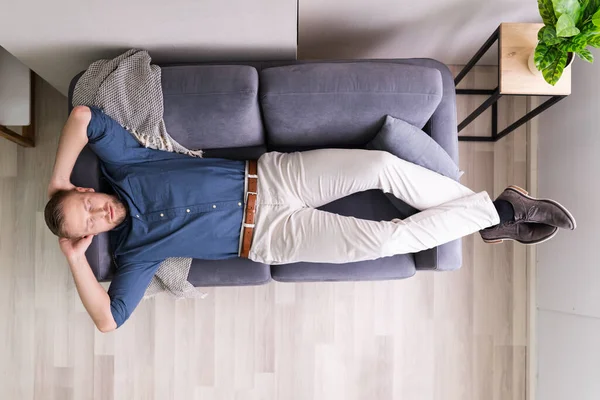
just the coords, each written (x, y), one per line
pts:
(137, 216)
(240, 204)
(162, 215)
(214, 206)
(188, 210)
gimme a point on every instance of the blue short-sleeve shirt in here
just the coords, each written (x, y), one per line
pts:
(179, 206)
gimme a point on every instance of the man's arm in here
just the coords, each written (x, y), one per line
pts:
(93, 296)
(72, 140)
(109, 141)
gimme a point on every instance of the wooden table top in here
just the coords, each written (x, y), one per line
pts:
(517, 41)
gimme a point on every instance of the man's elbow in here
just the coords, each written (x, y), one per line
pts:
(80, 111)
(106, 327)
(82, 114)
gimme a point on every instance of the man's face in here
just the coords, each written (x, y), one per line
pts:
(89, 213)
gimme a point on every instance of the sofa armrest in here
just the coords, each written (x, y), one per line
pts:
(443, 129)
(427, 259)
(447, 257)
(443, 125)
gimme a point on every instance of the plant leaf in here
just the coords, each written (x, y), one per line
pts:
(574, 44)
(544, 56)
(549, 36)
(594, 41)
(586, 55)
(565, 27)
(572, 8)
(547, 12)
(590, 9)
(596, 18)
(590, 29)
(584, 11)
(553, 73)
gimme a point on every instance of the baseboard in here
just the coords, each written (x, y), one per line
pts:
(532, 186)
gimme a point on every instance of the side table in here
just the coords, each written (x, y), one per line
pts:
(516, 41)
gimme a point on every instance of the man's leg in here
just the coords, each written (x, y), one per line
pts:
(289, 229)
(319, 177)
(311, 235)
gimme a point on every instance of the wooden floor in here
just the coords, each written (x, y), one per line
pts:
(444, 336)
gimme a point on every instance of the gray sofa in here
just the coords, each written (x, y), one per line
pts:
(241, 110)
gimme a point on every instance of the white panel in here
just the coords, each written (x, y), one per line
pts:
(569, 270)
(448, 30)
(15, 91)
(59, 38)
(569, 357)
(569, 167)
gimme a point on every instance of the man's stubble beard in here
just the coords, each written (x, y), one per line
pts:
(120, 210)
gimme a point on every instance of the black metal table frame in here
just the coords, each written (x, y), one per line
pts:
(493, 99)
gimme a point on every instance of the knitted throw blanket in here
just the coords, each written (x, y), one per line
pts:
(128, 88)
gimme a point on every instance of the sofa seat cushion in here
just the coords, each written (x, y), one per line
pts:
(212, 106)
(333, 104)
(231, 272)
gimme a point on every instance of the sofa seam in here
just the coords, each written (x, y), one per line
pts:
(252, 92)
(311, 93)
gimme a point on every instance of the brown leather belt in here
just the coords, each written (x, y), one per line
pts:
(250, 214)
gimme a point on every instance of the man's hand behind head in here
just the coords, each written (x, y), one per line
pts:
(57, 185)
(74, 249)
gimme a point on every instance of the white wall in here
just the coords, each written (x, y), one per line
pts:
(59, 38)
(448, 30)
(569, 266)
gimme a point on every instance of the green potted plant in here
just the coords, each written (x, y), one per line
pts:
(570, 26)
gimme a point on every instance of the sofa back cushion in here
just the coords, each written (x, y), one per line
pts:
(343, 104)
(212, 106)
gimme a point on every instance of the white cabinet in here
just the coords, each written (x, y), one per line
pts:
(15, 99)
(14, 90)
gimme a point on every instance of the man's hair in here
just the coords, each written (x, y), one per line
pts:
(55, 215)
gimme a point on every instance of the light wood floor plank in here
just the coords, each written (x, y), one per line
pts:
(264, 326)
(458, 335)
(164, 362)
(205, 339)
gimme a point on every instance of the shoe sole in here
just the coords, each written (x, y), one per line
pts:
(498, 241)
(556, 203)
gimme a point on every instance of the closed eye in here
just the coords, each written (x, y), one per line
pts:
(88, 207)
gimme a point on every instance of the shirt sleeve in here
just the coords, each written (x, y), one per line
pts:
(113, 144)
(128, 287)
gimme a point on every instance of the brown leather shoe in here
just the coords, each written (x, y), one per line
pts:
(522, 232)
(541, 211)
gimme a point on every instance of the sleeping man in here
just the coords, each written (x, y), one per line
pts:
(172, 205)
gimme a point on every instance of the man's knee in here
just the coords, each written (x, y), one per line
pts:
(382, 158)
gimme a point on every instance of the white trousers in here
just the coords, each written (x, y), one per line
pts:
(291, 185)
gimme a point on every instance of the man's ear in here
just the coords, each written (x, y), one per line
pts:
(84, 190)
